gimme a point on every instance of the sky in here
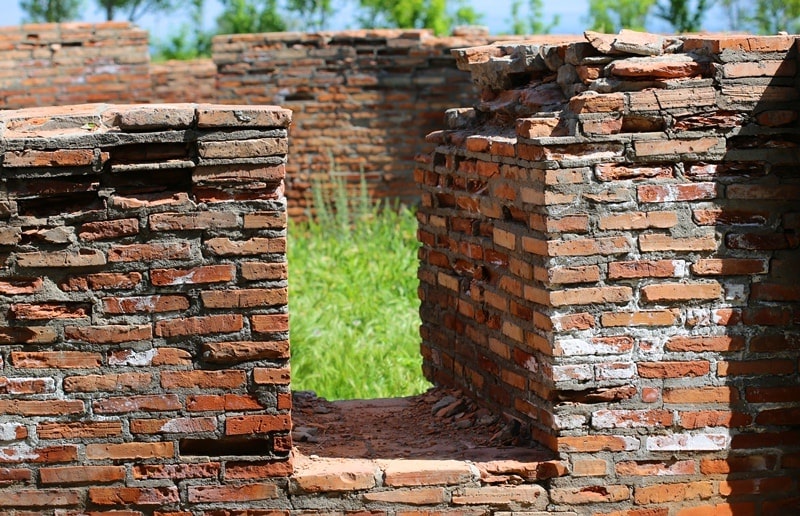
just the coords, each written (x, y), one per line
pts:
(496, 15)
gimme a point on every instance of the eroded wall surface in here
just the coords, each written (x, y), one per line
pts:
(610, 255)
(143, 306)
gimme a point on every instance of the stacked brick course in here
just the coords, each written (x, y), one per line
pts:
(610, 255)
(144, 306)
(71, 63)
(184, 81)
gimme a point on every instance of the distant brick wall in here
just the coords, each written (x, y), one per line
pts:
(184, 81)
(363, 100)
(144, 306)
(609, 254)
(73, 63)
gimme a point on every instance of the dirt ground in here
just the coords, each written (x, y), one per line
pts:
(438, 424)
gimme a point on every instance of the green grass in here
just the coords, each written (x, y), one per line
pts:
(353, 300)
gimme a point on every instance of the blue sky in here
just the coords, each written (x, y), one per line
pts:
(496, 15)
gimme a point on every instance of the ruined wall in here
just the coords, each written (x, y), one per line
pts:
(610, 252)
(73, 63)
(143, 304)
(363, 100)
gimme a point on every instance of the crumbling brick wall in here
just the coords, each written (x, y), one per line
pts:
(183, 81)
(143, 306)
(609, 254)
(73, 63)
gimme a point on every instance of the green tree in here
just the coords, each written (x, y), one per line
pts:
(190, 41)
(681, 14)
(132, 10)
(312, 15)
(52, 11)
(250, 16)
(738, 14)
(610, 16)
(534, 22)
(773, 16)
(417, 14)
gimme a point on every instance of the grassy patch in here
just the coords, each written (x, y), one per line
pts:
(353, 301)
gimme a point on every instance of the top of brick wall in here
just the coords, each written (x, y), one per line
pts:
(91, 120)
(42, 34)
(497, 66)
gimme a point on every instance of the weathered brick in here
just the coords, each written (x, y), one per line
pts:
(109, 334)
(129, 451)
(150, 252)
(184, 425)
(244, 298)
(148, 403)
(646, 269)
(203, 325)
(101, 281)
(256, 424)
(255, 271)
(145, 304)
(56, 359)
(108, 229)
(232, 493)
(221, 246)
(121, 496)
(195, 275)
(193, 221)
(672, 292)
(108, 382)
(57, 259)
(82, 474)
(227, 379)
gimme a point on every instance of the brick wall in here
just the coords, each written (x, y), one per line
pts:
(363, 100)
(144, 306)
(72, 63)
(609, 255)
(183, 81)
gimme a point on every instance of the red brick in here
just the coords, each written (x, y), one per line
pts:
(55, 359)
(45, 311)
(193, 221)
(638, 220)
(49, 158)
(590, 494)
(44, 498)
(126, 404)
(82, 474)
(193, 276)
(699, 395)
(18, 286)
(710, 418)
(673, 369)
(121, 496)
(654, 242)
(670, 292)
(245, 298)
(756, 367)
(79, 430)
(730, 267)
(655, 468)
(129, 451)
(233, 493)
(226, 379)
(641, 318)
(183, 425)
(199, 325)
(236, 352)
(46, 455)
(256, 424)
(107, 229)
(662, 493)
(228, 402)
(101, 281)
(673, 147)
(596, 443)
(256, 271)
(176, 471)
(271, 375)
(108, 382)
(772, 394)
(645, 269)
(591, 295)
(26, 385)
(109, 334)
(702, 343)
(257, 245)
(722, 509)
(726, 216)
(736, 464)
(257, 470)
(265, 220)
(150, 252)
(145, 304)
(270, 323)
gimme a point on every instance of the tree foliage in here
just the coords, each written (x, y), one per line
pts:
(310, 15)
(683, 15)
(534, 22)
(246, 16)
(773, 16)
(133, 10)
(50, 11)
(610, 16)
(417, 14)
